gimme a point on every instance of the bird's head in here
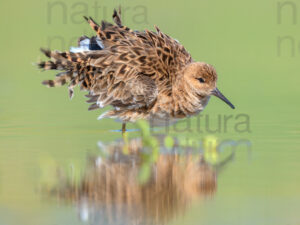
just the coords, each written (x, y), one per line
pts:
(202, 79)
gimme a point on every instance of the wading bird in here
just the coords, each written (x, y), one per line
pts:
(141, 74)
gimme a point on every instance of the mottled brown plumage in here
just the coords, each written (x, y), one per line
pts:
(143, 75)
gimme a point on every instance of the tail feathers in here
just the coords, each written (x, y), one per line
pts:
(64, 60)
(65, 56)
(77, 64)
(50, 65)
(60, 80)
(76, 67)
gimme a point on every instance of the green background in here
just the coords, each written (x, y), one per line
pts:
(41, 128)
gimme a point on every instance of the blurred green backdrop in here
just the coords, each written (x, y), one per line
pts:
(254, 46)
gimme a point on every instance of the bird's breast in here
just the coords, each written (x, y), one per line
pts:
(169, 112)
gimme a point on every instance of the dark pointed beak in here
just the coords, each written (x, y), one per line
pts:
(218, 94)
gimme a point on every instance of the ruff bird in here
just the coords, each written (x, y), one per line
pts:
(141, 74)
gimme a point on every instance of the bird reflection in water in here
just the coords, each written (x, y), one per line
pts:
(111, 193)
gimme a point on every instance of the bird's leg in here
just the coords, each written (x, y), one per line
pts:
(123, 128)
(125, 139)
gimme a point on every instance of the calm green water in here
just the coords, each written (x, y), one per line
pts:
(41, 130)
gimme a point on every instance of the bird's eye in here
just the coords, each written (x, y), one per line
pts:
(201, 80)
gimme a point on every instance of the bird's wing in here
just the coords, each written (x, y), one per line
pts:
(137, 91)
(130, 53)
(147, 51)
